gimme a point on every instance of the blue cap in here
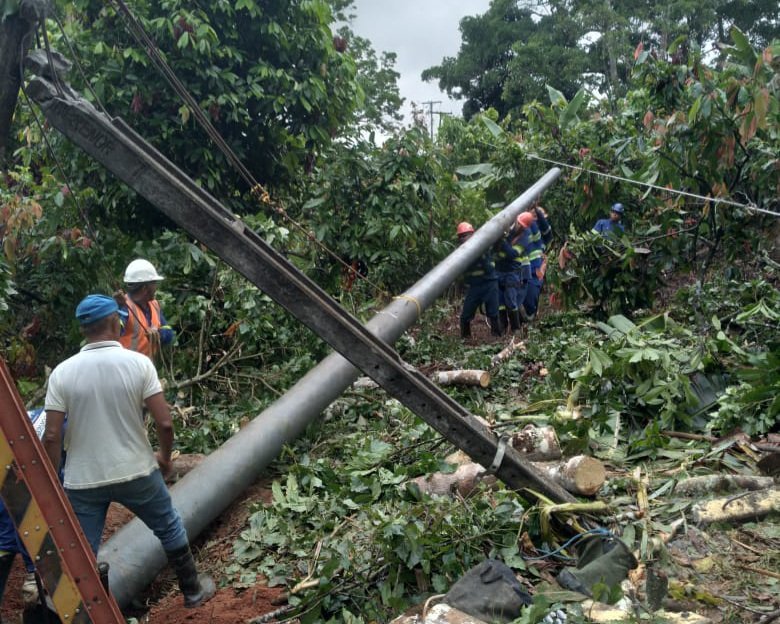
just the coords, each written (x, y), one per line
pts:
(95, 307)
(617, 208)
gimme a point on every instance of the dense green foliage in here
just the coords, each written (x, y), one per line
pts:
(672, 326)
(347, 518)
(512, 52)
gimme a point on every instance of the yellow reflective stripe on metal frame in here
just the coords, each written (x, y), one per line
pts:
(34, 533)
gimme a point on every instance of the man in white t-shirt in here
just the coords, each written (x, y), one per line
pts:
(104, 389)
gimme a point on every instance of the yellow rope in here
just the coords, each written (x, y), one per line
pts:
(414, 301)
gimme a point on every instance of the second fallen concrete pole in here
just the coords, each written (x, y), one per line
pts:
(135, 555)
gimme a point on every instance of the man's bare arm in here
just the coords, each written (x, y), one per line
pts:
(52, 437)
(158, 408)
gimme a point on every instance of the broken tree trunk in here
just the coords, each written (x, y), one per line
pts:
(706, 484)
(462, 378)
(579, 475)
(737, 508)
(537, 443)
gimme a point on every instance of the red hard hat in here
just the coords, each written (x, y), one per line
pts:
(525, 219)
(465, 228)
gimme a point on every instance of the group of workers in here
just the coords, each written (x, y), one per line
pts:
(507, 280)
(94, 411)
(509, 285)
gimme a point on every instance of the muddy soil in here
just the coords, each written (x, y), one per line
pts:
(162, 602)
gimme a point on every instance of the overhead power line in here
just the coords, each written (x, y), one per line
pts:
(704, 198)
(257, 190)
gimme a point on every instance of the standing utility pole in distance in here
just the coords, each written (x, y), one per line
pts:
(430, 112)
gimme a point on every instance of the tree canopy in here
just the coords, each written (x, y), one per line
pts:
(509, 54)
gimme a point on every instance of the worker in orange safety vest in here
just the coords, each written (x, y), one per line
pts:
(146, 328)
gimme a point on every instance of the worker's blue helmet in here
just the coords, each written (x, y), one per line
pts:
(617, 208)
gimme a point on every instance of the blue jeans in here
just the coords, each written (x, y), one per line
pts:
(147, 497)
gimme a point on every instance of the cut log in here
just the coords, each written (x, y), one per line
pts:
(438, 614)
(705, 484)
(462, 378)
(537, 443)
(458, 458)
(621, 612)
(581, 475)
(463, 480)
(735, 509)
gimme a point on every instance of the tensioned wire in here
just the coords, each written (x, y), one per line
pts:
(257, 190)
(714, 200)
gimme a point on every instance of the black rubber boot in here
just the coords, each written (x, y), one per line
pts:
(197, 588)
(495, 326)
(524, 315)
(465, 329)
(514, 319)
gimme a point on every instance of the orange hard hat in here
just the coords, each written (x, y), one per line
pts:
(465, 228)
(525, 219)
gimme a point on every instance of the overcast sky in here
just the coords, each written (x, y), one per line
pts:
(421, 33)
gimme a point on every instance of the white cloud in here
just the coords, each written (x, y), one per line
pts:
(421, 33)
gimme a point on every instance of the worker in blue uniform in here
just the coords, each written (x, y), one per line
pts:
(612, 226)
(513, 263)
(540, 237)
(482, 288)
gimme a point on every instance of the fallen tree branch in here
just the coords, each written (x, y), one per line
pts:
(272, 615)
(704, 484)
(506, 352)
(683, 435)
(227, 356)
(759, 571)
(751, 506)
(462, 377)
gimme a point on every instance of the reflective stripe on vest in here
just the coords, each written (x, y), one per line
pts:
(522, 256)
(136, 336)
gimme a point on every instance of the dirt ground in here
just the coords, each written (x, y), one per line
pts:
(162, 602)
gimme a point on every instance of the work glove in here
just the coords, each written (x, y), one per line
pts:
(30, 590)
(555, 617)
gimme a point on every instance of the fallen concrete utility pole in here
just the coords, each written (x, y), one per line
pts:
(202, 495)
(133, 160)
(148, 172)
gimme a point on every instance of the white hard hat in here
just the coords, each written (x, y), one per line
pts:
(140, 271)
